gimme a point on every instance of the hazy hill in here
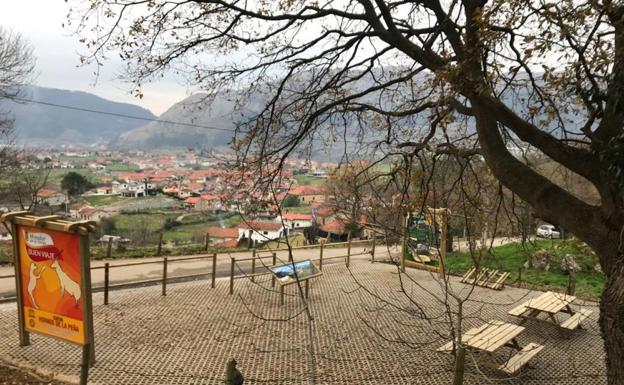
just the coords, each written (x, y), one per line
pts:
(46, 125)
(199, 119)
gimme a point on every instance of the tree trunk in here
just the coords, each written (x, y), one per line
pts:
(612, 323)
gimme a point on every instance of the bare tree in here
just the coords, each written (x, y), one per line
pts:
(16, 69)
(401, 76)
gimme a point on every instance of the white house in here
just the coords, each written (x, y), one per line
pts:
(296, 221)
(132, 188)
(261, 232)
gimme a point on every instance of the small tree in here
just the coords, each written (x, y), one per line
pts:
(290, 201)
(75, 184)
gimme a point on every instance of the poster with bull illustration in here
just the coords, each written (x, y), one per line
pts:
(51, 283)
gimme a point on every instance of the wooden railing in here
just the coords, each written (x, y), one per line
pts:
(257, 256)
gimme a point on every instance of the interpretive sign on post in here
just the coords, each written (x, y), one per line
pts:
(53, 280)
(289, 272)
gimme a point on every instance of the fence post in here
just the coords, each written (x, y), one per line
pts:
(373, 248)
(164, 279)
(233, 262)
(214, 269)
(253, 265)
(106, 269)
(274, 263)
(348, 249)
(321, 256)
(109, 248)
(159, 250)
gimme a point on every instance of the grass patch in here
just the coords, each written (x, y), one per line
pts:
(301, 209)
(123, 167)
(307, 180)
(101, 200)
(513, 256)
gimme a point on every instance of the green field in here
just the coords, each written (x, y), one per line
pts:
(122, 167)
(57, 174)
(512, 258)
(103, 200)
(307, 180)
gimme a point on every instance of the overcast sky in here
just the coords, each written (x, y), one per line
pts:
(56, 50)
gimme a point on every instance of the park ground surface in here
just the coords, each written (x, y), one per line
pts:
(367, 331)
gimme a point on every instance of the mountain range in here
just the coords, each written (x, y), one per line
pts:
(40, 121)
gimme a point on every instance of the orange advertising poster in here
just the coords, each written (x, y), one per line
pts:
(51, 283)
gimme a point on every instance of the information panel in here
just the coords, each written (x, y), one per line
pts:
(50, 271)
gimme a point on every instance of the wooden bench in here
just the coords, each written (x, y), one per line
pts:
(575, 321)
(521, 358)
(517, 311)
(492, 279)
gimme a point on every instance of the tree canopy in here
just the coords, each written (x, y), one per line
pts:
(75, 183)
(396, 78)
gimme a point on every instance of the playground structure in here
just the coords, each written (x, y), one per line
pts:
(424, 240)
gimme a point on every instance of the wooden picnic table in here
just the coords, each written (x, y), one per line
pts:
(551, 304)
(493, 336)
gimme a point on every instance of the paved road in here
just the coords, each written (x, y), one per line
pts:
(180, 268)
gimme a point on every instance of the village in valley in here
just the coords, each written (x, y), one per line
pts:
(185, 196)
(369, 192)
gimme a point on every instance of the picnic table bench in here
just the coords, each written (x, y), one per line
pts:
(493, 336)
(492, 279)
(551, 304)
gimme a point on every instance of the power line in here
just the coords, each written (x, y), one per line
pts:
(117, 114)
(75, 108)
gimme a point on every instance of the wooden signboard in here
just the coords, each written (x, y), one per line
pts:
(53, 280)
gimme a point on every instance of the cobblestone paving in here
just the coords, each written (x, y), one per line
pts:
(367, 332)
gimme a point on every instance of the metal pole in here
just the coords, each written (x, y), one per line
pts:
(373, 248)
(207, 241)
(106, 276)
(321, 256)
(164, 278)
(281, 294)
(307, 288)
(274, 263)
(232, 275)
(253, 265)
(214, 269)
(109, 248)
(348, 249)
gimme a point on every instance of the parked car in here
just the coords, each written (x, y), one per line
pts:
(548, 231)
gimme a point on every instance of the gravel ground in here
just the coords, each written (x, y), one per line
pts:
(12, 376)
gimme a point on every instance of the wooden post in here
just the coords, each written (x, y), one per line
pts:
(164, 277)
(443, 227)
(253, 265)
(274, 263)
(404, 245)
(282, 295)
(348, 249)
(233, 262)
(84, 365)
(207, 241)
(160, 239)
(214, 269)
(24, 335)
(321, 256)
(106, 276)
(109, 248)
(373, 248)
